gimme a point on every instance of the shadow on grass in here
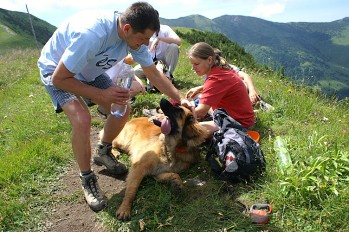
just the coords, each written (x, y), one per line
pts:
(211, 206)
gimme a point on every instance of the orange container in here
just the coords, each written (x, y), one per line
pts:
(254, 134)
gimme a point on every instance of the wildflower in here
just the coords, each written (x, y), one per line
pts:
(324, 119)
(315, 113)
(344, 131)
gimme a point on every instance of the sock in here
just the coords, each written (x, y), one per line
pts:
(105, 144)
(85, 173)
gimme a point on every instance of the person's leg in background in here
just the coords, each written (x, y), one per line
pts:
(171, 58)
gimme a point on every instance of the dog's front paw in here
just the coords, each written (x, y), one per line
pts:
(177, 186)
(123, 213)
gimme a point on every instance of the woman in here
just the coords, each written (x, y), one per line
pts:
(223, 88)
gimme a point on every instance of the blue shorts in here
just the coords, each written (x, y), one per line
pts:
(59, 97)
(196, 101)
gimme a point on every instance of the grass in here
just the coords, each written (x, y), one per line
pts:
(29, 135)
(311, 196)
(10, 40)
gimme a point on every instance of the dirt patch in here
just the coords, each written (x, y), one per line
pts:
(75, 215)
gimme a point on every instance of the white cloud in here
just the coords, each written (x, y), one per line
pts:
(267, 9)
(55, 11)
(41, 6)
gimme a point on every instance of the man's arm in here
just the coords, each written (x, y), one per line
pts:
(171, 38)
(175, 40)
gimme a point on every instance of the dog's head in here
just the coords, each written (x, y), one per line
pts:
(181, 123)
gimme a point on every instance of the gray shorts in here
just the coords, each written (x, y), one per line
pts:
(59, 97)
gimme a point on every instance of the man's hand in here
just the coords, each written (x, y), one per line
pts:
(113, 94)
(154, 44)
(190, 105)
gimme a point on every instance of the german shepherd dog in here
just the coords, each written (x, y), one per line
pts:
(161, 149)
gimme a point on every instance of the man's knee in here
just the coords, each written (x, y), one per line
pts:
(139, 72)
(78, 113)
(173, 49)
(136, 88)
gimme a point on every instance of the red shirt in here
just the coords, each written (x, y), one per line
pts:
(225, 89)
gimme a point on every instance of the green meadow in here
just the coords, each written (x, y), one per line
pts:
(312, 195)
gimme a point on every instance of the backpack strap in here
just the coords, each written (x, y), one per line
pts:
(222, 119)
(210, 157)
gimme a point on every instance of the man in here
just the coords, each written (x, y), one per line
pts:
(72, 67)
(164, 47)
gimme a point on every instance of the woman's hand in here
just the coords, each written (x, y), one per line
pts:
(193, 92)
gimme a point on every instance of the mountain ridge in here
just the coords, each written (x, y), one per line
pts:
(316, 54)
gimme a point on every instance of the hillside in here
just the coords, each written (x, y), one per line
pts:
(316, 54)
(16, 31)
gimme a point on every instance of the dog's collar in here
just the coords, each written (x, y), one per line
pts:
(181, 149)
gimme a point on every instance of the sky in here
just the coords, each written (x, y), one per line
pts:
(283, 11)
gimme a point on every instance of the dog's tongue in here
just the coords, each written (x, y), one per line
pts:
(165, 126)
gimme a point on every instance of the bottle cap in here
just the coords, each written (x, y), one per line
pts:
(128, 60)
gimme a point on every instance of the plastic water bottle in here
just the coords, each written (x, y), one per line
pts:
(124, 80)
(284, 158)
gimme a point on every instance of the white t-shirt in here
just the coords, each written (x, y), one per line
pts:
(160, 51)
(88, 44)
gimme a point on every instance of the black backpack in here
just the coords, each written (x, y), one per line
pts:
(233, 155)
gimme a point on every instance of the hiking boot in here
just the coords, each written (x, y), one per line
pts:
(93, 194)
(104, 156)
